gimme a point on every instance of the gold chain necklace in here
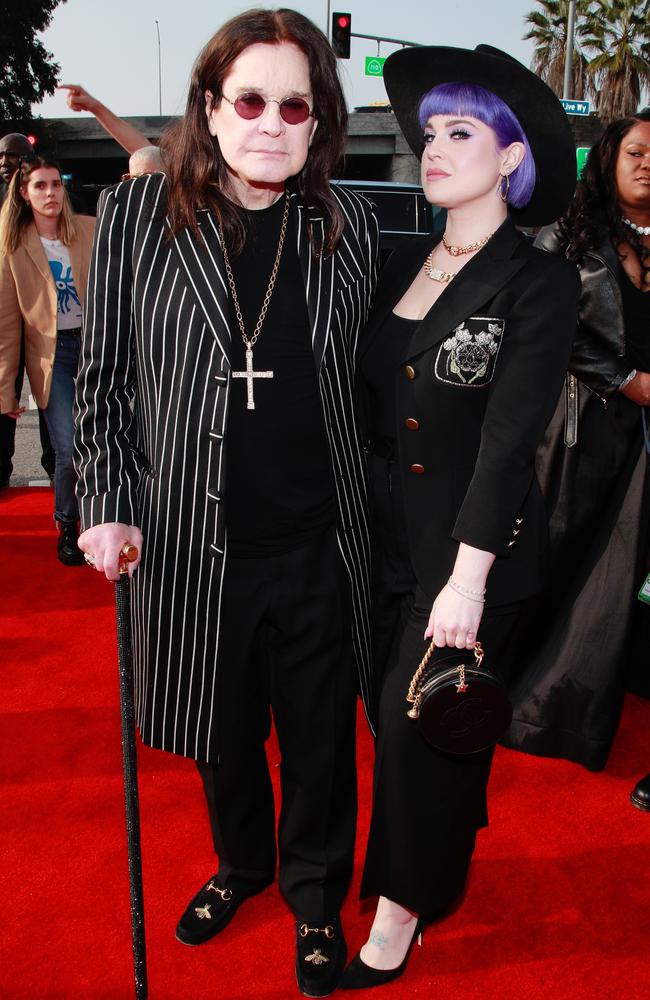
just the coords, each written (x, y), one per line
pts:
(250, 374)
(457, 251)
(435, 273)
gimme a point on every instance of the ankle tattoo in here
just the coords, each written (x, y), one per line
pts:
(378, 939)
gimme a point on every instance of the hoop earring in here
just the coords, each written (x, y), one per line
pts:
(504, 197)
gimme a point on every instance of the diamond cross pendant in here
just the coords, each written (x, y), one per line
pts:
(249, 375)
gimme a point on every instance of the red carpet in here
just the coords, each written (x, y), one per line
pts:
(558, 904)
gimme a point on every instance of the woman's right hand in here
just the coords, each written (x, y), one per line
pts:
(104, 543)
(15, 414)
(457, 610)
(638, 389)
(454, 620)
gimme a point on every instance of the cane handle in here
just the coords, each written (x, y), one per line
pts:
(128, 554)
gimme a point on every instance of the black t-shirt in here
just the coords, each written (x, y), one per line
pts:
(636, 313)
(279, 489)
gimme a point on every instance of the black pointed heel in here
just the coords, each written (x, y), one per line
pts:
(359, 976)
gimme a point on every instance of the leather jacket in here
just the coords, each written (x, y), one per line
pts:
(598, 356)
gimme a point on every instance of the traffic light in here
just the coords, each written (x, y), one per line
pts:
(341, 29)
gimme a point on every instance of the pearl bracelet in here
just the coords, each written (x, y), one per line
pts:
(473, 595)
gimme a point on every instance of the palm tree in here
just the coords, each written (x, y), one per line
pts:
(619, 35)
(548, 29)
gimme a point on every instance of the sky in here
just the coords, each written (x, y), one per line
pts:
(111, 46)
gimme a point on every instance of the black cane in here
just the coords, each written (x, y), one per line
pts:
(127, 711)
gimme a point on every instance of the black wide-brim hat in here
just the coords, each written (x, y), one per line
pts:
(411, 73)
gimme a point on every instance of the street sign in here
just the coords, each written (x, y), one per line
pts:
(575, 107)
(581, 158)
(375, 65)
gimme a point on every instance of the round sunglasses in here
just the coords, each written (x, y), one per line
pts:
(293, 110)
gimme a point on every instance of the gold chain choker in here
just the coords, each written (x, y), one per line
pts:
(457, 251)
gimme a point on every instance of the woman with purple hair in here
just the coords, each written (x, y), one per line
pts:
(462, 364)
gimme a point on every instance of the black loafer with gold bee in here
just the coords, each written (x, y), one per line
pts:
(640, 795)
(208, 912)
(321, 954)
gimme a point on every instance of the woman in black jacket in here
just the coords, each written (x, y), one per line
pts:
(462, 364)
(591, 630)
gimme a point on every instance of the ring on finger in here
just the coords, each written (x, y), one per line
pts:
(89, 559)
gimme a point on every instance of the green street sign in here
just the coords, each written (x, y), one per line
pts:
(573, 107)
(375, 65)
(581, 158)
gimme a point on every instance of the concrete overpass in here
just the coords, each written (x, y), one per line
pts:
(375, 148)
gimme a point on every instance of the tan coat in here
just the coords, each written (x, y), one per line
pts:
(28, 301)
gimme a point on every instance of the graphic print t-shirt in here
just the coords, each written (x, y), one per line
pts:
(68, 302)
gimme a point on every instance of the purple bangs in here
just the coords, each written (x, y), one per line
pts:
(473, 101)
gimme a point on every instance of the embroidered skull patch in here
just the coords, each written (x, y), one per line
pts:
(468, 357)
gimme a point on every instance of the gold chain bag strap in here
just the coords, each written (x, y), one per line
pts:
(460, 706)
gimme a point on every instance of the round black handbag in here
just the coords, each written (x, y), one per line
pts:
(460, 706)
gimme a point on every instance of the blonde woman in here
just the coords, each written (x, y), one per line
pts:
(44, 255)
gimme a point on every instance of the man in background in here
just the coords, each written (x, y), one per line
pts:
(147, 160)
(12, 147)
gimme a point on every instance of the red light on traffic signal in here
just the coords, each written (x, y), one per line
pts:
(341, 34)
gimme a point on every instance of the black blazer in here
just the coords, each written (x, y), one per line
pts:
(476, 388)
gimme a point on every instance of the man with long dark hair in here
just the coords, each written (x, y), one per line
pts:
(217, 432)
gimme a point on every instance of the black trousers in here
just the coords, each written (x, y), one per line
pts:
(427, 805)
(286, 647)
(8, 432)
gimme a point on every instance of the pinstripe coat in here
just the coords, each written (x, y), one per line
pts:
(152, 422)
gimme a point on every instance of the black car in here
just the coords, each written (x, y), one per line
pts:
(402, 211)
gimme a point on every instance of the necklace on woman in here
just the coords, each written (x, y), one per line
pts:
(457, 251)
(641, 230)
(250, 374)
(435, 273)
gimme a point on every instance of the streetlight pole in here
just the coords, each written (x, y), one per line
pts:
(159, 73)
(568, 61)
